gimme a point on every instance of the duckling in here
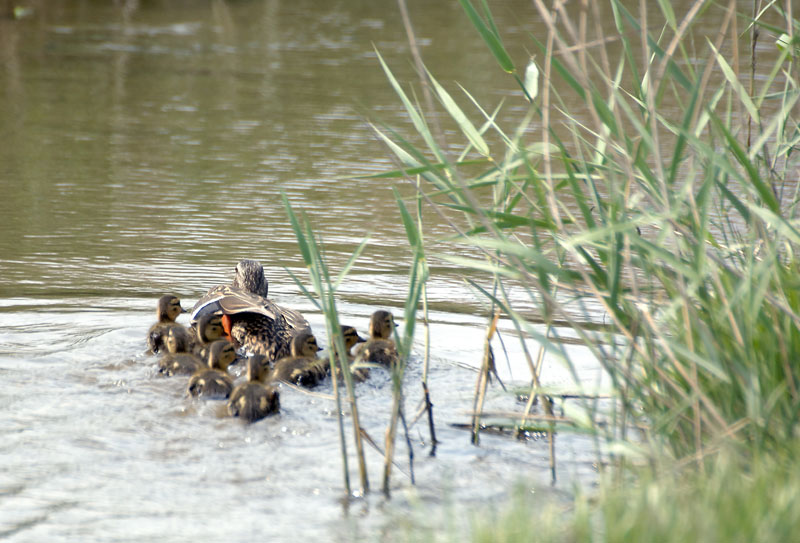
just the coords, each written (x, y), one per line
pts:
(249, 318)
(253, 401)
(167, 310)
(302, 368)
(351, 339)
(178, 361)
(380, 348)
(206, 330)
(214, 380)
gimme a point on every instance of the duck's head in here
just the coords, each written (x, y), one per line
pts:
(351, 337)
(304, 344)
(221, 354)
(177, 340)
(250, 277)
(209, 328)
(169, 307)
(381, 325)
(257, 368)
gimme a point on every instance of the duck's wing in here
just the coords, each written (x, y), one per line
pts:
(294, 319)
(230, 300)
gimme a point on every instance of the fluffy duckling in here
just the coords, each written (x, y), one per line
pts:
(380, 349)
(214, 380)
(351, 339)
(253, 401)
(178, 361)
(302, 368)
(207, 329)
(249, 318)
(167, 310)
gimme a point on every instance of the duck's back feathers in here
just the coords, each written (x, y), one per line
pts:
(210, 383)
(261, 335)
(379, 351)
(252, 320)
(180, 364)
(253, 401)
(301, 371)
(157, 335)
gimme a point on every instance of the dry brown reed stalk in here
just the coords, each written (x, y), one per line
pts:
(372, 443)
(420, 66)
(341, 356)
(389, 437)
(547, 405)
(424, 80)
(409, 445)
(483, 377)
(427, 354)
(754, 34)
(425, 367)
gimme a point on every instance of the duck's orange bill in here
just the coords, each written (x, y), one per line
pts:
(226, 325)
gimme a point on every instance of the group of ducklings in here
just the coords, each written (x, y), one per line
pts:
(276, 342)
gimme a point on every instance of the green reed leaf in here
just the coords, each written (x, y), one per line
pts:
(763, 189)
(298, 232)
(419, 122)
(458, 115)
(733, 81)
(349, 264)
(491, 39)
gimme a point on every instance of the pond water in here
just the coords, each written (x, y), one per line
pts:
(145, 149)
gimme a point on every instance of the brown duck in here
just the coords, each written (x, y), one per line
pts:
(249, 318)
(167, 310)
(252, 401)
(178, 361)
(205, 331)
(214, 381)
(380, 348)
(302, 367)
(351, 339)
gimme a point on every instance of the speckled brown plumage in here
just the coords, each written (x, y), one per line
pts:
(256, 324)
(262, 335)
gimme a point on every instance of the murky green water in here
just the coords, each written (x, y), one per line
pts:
(145, 147)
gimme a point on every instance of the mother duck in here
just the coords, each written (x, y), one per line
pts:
(249, 318)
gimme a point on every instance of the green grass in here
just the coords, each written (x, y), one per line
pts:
(731, 502)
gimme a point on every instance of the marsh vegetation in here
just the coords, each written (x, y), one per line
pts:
(667, 197)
